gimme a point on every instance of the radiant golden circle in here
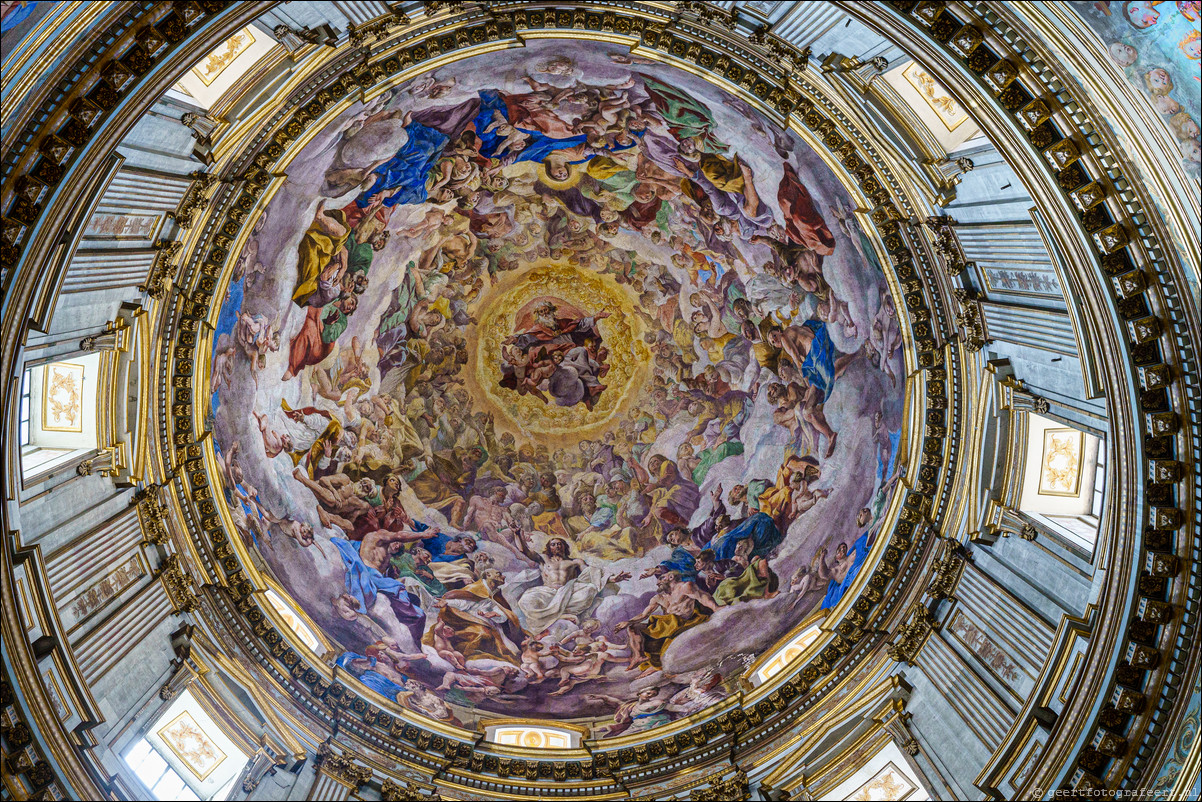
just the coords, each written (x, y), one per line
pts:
(621, 332)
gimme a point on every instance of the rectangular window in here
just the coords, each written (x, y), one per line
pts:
(24, 425)
(1099, 481)
(162, 780)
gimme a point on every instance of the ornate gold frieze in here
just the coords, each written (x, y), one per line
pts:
(178, 585)
(732, 789)
(947, 244)
(162, 269)
(152, 516)
(340, 767)
(194, 199)
(907, 641)
(404, 792)
(945, 569)
(237, 196)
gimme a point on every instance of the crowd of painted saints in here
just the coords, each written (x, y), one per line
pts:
(461, 562)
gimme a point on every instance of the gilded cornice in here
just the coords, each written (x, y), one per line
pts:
(398, 51)
(1057, 29)
(1101, 737)
(1134, 321)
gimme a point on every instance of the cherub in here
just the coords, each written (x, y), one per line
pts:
(274, 442)
(432, 86)
(299, 531)
(478, 684)
(581, 665)
(885, 337)
(519, 359)
(514, 140)
(442, 634)
(345, 607)
(250, 517)
(536, 371)
(257, 336)
(223, 363)
(534, 652)
(390, 660)
(585, 635)
(804, 580)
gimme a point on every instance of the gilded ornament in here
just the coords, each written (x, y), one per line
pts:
(909, 638)
(732, 789)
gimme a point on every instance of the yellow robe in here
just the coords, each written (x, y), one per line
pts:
(775, 500)
(316, 250)
(663, 629)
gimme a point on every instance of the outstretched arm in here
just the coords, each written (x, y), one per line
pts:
(604, 697)
(651, 607)
(523, 548)
(386, 536)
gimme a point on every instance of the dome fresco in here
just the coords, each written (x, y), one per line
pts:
(557, 383)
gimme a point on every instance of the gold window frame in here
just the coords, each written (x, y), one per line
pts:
(913, 80)
(183, 758)
(1048, 437)
(81, 369)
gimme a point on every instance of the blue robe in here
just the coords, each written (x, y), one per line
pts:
(683, 562)
(409, 168)
(764, 534)
(437, 545)
(364, 582)
(835, 590)
(538, 146)
(819, 364)
(372, 679)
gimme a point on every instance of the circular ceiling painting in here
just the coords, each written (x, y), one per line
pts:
(557, 383)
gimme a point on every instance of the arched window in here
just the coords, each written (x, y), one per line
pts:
(786, 654)
(294, 622)
(1063, 480)
(529, 736)
(185, 755)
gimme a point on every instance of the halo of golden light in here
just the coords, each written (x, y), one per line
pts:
(621, 333)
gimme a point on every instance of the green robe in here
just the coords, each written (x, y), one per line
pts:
(359, 255)
(403, 566)
(331, 330)
(712, 456)
(685, 116)
(747, 585)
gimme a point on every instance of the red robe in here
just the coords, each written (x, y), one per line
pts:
(803, 224)
(307, 347)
